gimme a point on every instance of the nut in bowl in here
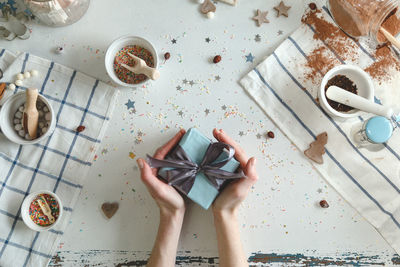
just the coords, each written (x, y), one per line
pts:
(11, 119)
(41, 210)
(130, 61)
(350, 78)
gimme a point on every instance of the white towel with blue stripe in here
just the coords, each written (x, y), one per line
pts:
(369, 181)
(58, 164)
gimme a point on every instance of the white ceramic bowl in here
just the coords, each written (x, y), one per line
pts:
(360, 78)
(25, 211)
(8, 111)
(120, 43)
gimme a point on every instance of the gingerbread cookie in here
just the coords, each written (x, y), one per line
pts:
(207, 7)
(109, 209)
(282, 9)
(261, 17)
(317, 148)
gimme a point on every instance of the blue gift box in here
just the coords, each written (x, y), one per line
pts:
(195, 144)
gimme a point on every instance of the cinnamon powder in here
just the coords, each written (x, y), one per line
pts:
(320, 60)
(391, 24)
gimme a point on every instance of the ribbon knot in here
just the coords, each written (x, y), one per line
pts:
(183, 170)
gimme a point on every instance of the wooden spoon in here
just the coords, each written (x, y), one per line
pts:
(141, 67)
(390, 37)
(31, 114)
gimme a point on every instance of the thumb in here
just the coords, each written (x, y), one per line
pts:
(251, 172)
(147, 175)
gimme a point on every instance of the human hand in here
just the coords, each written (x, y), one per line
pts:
(230, 198)
(167, 198)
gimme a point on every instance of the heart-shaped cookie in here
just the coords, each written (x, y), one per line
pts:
(109, 209)
(207, 6)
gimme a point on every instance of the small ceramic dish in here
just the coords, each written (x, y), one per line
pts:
(360, 78)
(119, 44)
(30, 210)
(8, 111)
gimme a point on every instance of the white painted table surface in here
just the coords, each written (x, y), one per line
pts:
(281, 215)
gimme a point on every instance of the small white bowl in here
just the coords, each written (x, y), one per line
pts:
(361, 79)
(25, 211)
(8, 111)
(120, 43)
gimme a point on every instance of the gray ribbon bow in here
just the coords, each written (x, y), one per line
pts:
(184, 171)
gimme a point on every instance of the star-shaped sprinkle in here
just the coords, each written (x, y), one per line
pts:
(241, 133)
(207, 111)
(192, 83)
(258, 136)
(282, 9)
(280, 32)
(130, 104)
(257, 38)
(180, 113)
(250, 58)
(319, 190)
(208, 39)
(185, 81)
(261, 17)
(223, 107)
(139, 133)
(179, 88)
(217, 78)
(173, 41)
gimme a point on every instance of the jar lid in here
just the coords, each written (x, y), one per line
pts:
(379, 129)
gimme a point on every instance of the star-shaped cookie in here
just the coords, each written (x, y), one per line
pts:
(261, 17)
(282, 9)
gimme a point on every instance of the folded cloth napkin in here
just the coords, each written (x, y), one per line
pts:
(285, 87)
(59, 163)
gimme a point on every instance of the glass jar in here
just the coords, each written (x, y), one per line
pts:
(58, 12)
(365, 17)
(376, 130)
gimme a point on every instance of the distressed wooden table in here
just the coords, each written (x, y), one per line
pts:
(281, 222)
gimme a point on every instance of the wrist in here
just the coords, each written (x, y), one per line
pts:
(176, 214)
(225, 214)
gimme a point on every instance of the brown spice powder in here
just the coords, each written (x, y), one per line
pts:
(391, 24)
(320, 60)
(330, 34)
(385, 60)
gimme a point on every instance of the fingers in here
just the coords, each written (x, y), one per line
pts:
(163, 151)
(240, 155)
(147, 176)
(251, 172)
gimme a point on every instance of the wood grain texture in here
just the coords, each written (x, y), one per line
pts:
(119, 258)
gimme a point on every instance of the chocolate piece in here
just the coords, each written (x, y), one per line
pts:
(317, 148)
(261, 17)
(207, 6)
(344, 83)
(109, 209)
(282, 9)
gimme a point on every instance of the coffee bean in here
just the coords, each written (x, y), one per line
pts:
(271, 134)
(312, 6)
(324, 204)
(217, 59)
(80, 128)
(167, 55)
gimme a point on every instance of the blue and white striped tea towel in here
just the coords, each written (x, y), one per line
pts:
(369, 181)
(59, 163)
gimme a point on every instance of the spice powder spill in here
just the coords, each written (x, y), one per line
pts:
(36, 214)
(122, 56)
